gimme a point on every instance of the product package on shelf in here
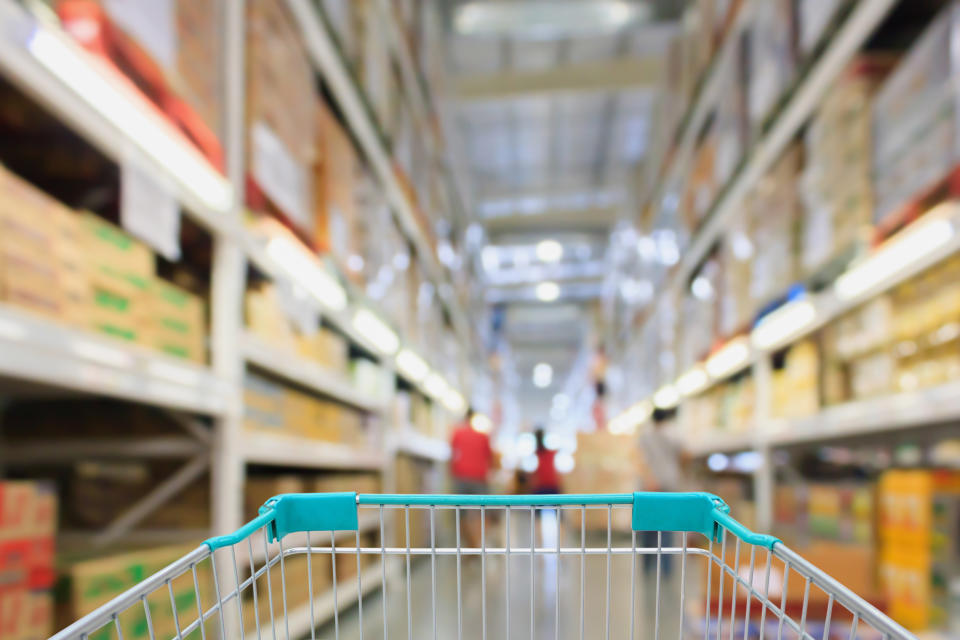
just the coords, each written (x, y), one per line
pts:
(796, 390)
(699, 318)
(336, 173)
(271, 407)
(770, 56)
(28, 523)
(835, 186)
(735, 305)
(170, 51)
(90, 579)
(916, 138)
(919, 556)
(774, 213)
(371, 380)
(42, 264)
(281, 97)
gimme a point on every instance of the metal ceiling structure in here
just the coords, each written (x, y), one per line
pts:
(551, 102)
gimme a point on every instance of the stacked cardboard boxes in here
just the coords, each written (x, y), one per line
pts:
(919, 530)
(89, 581)
(774, 212)
(274, 408)
(281, 98)
(771, 58)
(28, 517)
(914, 119)
(606, 463)
(84, 271)
(835, 186)
(336, 171)
(796, 391)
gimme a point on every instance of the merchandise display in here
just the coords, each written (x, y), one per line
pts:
(387, 251)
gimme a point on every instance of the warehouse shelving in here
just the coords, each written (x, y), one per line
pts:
(305, 373)
(52, 355)
(328, 60)
(47, 65)
(291, 451)
(411, 442)
(43, 62)
(803, 100)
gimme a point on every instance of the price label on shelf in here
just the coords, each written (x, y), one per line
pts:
(149, 211)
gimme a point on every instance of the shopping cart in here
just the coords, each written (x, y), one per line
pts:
(707, 576)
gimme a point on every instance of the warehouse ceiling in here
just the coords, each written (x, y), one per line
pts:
(550, 108)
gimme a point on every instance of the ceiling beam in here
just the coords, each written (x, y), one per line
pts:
(608, 75)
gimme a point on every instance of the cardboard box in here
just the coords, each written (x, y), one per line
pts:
(107, 246)
(88, 582)
(335, 174)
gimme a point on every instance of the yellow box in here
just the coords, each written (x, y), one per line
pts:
(107, 245)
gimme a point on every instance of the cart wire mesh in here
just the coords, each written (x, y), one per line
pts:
(489, 567)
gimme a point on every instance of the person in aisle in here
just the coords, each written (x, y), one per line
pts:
(544, 479)
(471, 459)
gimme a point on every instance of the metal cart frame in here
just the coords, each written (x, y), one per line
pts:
(242, 564)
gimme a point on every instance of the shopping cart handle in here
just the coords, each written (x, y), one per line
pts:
(694, 511)
(699, 512)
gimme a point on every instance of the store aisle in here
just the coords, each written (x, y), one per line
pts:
(539, 597)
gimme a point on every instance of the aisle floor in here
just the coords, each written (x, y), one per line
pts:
(577, 606)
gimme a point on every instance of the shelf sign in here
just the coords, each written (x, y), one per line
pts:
(149, 211)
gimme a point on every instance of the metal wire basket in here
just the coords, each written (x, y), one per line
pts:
(563, 566)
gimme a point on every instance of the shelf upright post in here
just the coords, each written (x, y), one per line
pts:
(228, 282)
(763, 478)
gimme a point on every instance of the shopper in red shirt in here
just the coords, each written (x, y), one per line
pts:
(470, 458)
(545, 479)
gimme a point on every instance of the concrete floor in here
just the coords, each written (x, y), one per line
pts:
(539, 598)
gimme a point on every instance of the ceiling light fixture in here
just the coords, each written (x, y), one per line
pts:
(900, 252)
(412, 365)
(548, 291)
(542, 375)
(693, 381)
(549, 251)
(666, 397)
(729, 359)
(306, 271)
(380, 335)
(784, 324)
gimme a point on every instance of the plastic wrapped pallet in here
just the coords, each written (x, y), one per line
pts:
(770, 58)
(835, 186)
(281, 97)
(915, 114)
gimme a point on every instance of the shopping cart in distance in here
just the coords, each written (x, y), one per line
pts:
(640, 565)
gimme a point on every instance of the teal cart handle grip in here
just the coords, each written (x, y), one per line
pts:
(703, 513)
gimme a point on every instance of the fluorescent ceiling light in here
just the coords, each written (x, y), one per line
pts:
(481, 423)
(546, 18)
(548, 291)
(900, 252)
(542, 375)
(306, 271)
(782, 325)
(666, 397)
(378, 332)
(411, 365)
(129, 112)
(453, 401)
(435, 386)
(640, 412)
(549, 251)
(730, 358)
(693, 381)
